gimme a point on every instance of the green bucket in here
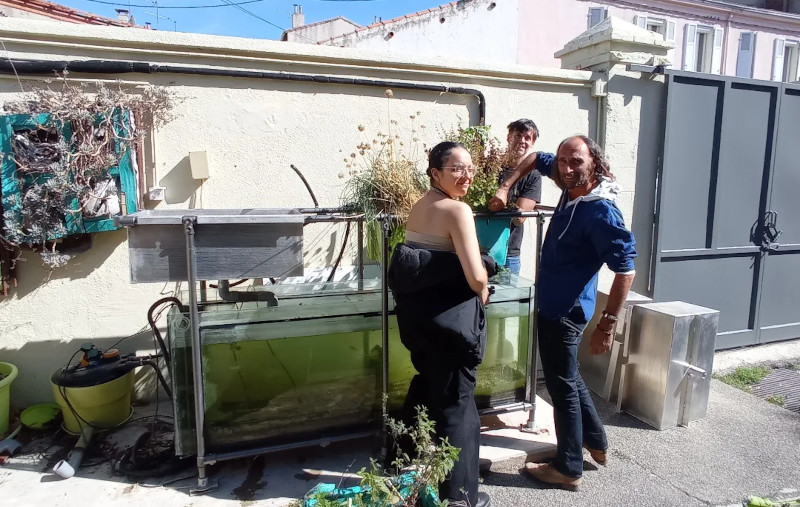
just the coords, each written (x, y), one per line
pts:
(9, 373)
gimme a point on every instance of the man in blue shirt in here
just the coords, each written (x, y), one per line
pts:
(585, 232)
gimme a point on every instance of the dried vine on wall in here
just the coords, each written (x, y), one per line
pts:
(62, 162)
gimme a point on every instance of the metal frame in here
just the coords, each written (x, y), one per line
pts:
(318, 215)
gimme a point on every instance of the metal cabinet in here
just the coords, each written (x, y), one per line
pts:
(667, 363)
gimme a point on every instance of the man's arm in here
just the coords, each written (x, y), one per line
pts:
(542, 161)
(523, 204)
(603, 334)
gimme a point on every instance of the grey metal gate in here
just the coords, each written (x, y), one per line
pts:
(728, 214)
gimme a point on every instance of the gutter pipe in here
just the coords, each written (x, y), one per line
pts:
(49, 67)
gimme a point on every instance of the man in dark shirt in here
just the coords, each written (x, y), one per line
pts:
(526, 192)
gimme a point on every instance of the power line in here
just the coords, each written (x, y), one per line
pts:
(253, 14)
(129, 5)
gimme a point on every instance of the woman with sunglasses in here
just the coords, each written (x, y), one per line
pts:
(440, 284)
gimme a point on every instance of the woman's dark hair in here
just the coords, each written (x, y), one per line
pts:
(601, 166)
(439, 154)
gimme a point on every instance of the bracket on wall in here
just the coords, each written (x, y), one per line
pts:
(646, 69)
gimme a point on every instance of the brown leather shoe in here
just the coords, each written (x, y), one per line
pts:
(599, 457)
(549, 475)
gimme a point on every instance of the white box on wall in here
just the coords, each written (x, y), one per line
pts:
(198, 161)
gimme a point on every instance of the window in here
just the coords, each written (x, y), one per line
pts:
(658, 25)
(596, 15)
(702, 49)
(744, 62)
(785, 65)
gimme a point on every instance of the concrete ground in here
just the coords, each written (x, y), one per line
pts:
(744, 446)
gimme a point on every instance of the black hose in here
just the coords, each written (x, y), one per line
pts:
(305, 182)
(156, 332)
(161, 378)
(341, 253)
(134, 466)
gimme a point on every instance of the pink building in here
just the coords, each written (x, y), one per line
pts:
(746, 38)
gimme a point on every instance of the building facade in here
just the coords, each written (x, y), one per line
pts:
(748, 38)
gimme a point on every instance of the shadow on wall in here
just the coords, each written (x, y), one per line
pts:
(180, 185)
(37, 361)
(649, 146)
(32, 274)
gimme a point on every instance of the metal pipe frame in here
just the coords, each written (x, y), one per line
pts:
(533, 331)
(204, 484)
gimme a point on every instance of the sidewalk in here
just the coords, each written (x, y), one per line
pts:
(745, 446)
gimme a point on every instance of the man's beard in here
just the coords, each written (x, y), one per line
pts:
(580, 181)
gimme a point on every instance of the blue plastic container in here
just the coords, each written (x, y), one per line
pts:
(493, 234)
(403, 483)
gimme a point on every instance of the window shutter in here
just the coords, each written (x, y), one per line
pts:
(640, 21)
(716, 52)
(596, 15)
(689, 49)
(744, 62)
(670, 31)
(777, 59)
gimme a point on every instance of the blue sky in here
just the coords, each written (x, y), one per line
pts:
(275, 15)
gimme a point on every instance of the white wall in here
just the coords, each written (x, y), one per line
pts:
(252, 130)
(316, 32)
(12, 12)
(470, 30)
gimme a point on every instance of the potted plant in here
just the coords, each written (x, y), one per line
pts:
(384, 179)
(414, 486)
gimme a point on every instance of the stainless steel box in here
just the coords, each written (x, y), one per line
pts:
(229, 244)
(666, 371)
(601, 372)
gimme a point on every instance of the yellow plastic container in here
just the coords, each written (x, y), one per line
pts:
(104, 406)
(9, 372)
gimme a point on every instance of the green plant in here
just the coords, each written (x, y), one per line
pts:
(777, 399)
(429, 466)
(744, 377)
(489, 158)
(385, 177)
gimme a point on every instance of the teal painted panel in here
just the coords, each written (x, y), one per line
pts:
(13, 185)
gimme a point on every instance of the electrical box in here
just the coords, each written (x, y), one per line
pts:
(198, 161)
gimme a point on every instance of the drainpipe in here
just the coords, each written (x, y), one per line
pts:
(46, 67)
(600, 92)
(724, 55)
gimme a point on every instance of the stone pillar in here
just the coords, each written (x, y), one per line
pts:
(629, 118)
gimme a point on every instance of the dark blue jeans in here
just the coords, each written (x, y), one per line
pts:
(513, 264)
(576, 419)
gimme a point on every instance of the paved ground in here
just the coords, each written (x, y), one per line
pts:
(744, 446)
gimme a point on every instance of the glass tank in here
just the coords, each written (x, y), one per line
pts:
(311, 366)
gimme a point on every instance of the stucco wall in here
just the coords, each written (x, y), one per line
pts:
(252, 130)
(315, 32)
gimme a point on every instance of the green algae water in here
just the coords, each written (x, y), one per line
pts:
(312, 365)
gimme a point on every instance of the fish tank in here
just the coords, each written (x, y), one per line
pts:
(311, 366)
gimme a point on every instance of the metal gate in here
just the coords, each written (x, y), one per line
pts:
(728, 214)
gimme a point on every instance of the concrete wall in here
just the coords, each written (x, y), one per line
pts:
(11, 12)
(252, 130)
(473, 30)
(316, 32)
